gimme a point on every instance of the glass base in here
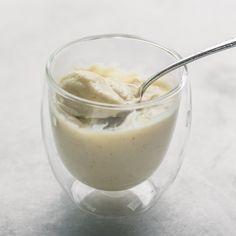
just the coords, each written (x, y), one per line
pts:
(114, 203)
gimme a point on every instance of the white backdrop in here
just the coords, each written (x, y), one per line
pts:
(202, 201)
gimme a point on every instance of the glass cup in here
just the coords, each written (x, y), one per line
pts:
(115, 160)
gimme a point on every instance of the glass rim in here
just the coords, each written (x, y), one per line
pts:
(54, 85)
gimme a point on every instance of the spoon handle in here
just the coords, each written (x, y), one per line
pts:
(211, 50)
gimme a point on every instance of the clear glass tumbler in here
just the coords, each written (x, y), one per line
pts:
(127, 155)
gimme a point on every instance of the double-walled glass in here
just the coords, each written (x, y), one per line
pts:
(115, 160)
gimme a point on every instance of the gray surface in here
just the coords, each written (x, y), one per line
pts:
(202, 201)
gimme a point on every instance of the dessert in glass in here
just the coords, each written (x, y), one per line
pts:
(113, 155)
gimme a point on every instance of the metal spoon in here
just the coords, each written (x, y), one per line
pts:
(217, 48)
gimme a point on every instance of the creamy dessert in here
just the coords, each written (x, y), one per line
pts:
(111, 148)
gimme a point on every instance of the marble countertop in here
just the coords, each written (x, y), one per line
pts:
(202, 201)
